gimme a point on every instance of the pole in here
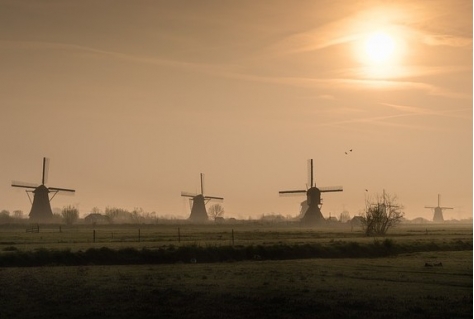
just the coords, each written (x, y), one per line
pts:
(93, 236)
(138, 234)
(232, 237)
(179, 236)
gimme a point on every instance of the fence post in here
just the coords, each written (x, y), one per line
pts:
(232, 237)
(138, 234)
(179, 235)
(93, 236)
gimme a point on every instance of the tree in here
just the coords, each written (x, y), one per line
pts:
(215, 211)
(381, 214)
(70, 214)
(18, 214)
(5, 216)
(117, 215)
(5, 213)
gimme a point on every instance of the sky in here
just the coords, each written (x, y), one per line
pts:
(132, 100)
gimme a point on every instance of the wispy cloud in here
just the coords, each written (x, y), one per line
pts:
(381, 120)
(349, 79)
(416, 110)
(446, 40)
(350, 84)
(42, 45)
(403, 112)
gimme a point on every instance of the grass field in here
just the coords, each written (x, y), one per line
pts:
(398, 286)
(152, 236)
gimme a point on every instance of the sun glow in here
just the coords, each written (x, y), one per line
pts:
(380, 53)
(379, 47)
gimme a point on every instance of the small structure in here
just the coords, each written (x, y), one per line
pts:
(313, 214)
(356, 222)
(41, 207)
(198, 209)
(438, 211)
(96, 218)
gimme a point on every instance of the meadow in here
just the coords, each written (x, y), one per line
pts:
(236, 271)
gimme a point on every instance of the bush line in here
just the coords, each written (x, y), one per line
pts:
(12, 257)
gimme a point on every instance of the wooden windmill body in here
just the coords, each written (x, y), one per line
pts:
(438, 211)
(41, 206)
(313, 214)
(199, 201)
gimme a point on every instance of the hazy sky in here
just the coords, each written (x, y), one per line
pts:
(132, 100)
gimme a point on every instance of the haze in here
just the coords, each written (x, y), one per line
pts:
(132, 100)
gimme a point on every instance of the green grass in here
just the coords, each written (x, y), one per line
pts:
(155, 236)
(156, 244)
(390, 287)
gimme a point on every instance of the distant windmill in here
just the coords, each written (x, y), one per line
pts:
(41, 207)
(313, 197)
(198, 210)
(438, 211)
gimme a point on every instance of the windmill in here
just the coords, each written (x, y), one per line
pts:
(198, 210)
(438, 211)
(313, 201)
(41, 206)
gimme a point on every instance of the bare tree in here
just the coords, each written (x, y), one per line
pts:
(70, 214)
(381, 214)
(215, 211)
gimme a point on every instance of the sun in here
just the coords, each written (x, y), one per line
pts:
(380, 52)
(379, 47)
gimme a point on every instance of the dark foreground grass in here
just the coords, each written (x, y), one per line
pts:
(387, 287)
(12, 257)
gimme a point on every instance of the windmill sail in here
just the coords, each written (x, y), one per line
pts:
(44, 178)
(331, 189)
(290, 193)
(61, 189)
(24, 185)
(188, 194)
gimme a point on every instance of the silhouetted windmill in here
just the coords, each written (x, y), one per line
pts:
(313, 197)
(41, 207)
(198, 210)
(438, 211)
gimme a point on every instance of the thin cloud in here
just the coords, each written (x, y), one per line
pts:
(340, 30)
(117, 55)
(232, 71)
(406, 111)
(446, 40)
(375, 120)
(415, 110)
(346, 83)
